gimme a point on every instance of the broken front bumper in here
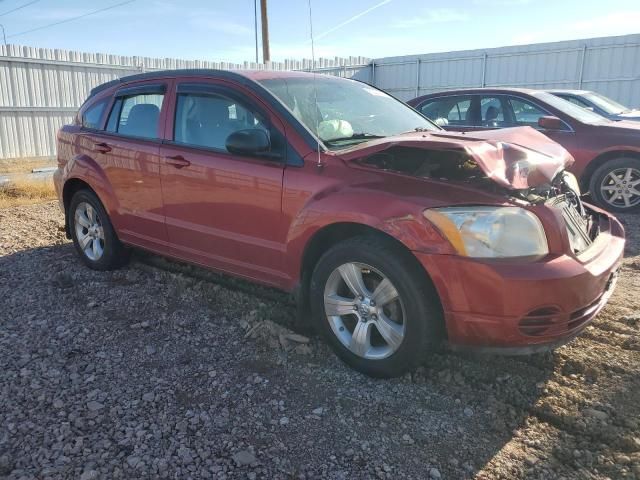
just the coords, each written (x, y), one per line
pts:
(526, 307)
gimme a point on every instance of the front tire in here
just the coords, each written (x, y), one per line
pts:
(615, 185)
(93, 235)
(375, 307)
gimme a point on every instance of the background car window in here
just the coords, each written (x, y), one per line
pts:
(491, 111)
(137, 115)
(447, 111)
(91, 117)
(576, 101)
(525, 113)
(206, 120)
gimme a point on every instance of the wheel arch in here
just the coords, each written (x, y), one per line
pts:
(600, 160)
(332, 234)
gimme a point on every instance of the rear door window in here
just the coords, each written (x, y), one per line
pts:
(525, 113)
(448, 111)
(136, 115)
(492, 112)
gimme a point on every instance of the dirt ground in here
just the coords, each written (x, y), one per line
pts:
(164, 371)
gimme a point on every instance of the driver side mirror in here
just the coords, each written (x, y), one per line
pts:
(551, 123)
(252, 141)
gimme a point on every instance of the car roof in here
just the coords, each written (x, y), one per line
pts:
(568, 91)
(238, 75)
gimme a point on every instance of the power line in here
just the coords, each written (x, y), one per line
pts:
(71, 19)
(18, 8)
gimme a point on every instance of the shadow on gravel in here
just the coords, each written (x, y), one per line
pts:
(156, 369)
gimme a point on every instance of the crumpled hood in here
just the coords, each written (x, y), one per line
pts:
(515, 158)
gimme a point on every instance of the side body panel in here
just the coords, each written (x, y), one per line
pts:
(224, 210)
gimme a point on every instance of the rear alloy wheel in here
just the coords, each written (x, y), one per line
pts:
(616, 185)
(93, 235)
(89, 231)
(375, 306)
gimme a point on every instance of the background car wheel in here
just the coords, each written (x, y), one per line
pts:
(373, 304)
(615, 186)
(93, 235)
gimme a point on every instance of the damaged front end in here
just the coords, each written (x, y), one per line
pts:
(523, 165)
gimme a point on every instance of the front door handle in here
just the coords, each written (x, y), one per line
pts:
(177, 161)
(101, 148)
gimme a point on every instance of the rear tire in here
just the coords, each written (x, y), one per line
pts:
(615, 185)
(374, 306)
(93, 235)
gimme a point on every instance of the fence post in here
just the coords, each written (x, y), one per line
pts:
(417, 77)
(484, 70)
(373, 73)
(582, 57)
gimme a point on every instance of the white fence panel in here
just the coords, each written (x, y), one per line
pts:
(41, 88)
(609, 65)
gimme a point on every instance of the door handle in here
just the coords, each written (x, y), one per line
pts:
(177, 161)
(102, 148)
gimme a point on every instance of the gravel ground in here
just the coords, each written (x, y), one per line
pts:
(164, 371)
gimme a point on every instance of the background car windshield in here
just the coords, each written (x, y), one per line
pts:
(581, 114)
(344, 108)
(605, 103)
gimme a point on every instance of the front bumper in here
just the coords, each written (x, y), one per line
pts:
(524, 307)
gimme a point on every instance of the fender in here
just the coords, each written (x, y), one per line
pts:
(84, 168)
(398, 218)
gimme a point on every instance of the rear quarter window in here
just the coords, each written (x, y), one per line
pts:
(92, 116)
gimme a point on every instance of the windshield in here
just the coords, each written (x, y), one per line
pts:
(346, 111)
(606, 104)
(578, 113)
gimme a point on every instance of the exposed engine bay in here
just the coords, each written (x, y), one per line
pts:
(562, 192)
(435, 164)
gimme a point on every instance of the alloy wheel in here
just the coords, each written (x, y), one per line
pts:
(364, 310)
(621, 187)
(89, 231)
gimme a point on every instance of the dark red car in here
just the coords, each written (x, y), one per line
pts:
(392, 233)
(607, 152)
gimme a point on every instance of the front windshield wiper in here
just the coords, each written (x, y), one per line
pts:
(355, 136)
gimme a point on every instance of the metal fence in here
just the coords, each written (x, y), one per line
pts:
(609, 65)
(40, 89)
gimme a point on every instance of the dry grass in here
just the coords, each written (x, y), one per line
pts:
(23, 191)
(25, 165)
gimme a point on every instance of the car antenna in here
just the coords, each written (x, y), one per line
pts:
(320, 165)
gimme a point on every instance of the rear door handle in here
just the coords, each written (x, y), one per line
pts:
(177, 161)
(102, 148)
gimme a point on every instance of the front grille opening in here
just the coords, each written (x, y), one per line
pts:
(537, 322)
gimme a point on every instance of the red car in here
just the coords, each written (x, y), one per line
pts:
(392, 233)
(607, 152)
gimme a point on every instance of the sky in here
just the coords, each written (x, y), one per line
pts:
(224, 30)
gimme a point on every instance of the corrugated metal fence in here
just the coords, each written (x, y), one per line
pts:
(40, 89)
(609, 65)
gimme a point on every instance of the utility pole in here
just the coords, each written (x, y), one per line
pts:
(265, 31)
(255, 25)
(4, 36)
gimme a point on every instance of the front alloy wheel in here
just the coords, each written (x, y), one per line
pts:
(621, 187)
(375, 306)
(615, 185)
(364, 310)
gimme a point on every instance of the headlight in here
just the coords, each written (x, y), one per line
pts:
(572, 182)
(491, 232)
